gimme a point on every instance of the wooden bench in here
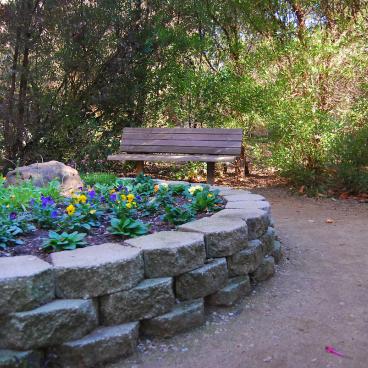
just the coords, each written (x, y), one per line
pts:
(180, 145)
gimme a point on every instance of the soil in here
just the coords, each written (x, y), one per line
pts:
(318, 298)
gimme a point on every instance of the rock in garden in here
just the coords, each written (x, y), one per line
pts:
(202, 281)
(97, 270)
(170, 253)
(247, 260)
(222, 237)
(20, 359)
(51, 324)
(25, 283)
(42, 173)
(265, 270)
(150, 298)
(237, 288)
(183, 317)
(103, 345)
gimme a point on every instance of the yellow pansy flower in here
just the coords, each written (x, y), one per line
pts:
(92, 212)
(123, 197)
(70, 210)
(82, 198)
(156, 188)
(128, 205)
(130, 197)
(210, 195)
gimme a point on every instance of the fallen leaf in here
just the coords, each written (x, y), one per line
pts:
(329, 221)
(301, 189)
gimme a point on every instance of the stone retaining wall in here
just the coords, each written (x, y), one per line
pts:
(90, 305)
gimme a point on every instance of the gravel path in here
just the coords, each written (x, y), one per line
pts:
(318, 297)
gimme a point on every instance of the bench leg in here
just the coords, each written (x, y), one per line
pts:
(139, 167)
(210, 172)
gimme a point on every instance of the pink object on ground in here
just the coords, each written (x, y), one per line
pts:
(332, 350)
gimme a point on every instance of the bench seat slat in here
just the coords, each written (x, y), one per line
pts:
(185, 131)
(171, 158)
(143, 143)
(184, 150)
(193, 137)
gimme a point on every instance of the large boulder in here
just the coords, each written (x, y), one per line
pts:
(42, 173)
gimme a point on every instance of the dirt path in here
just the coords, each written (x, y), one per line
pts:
(318, 297)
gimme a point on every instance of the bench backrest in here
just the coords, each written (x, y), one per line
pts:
(182, 140)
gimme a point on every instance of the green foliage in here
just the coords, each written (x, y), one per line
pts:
(101, 178)
(294, 72)
(178, 215)
(64, 241)
(128, 227)
(19, 196)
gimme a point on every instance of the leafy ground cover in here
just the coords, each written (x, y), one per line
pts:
(39, 220)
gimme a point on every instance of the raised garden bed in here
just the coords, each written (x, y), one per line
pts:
(88, 306)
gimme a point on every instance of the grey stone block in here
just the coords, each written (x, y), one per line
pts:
(265, 270)
(244, 197)
(257, 220)
(222, 237)
(247, 260)
(20, 359)
(203, 281)
(150, 298)
(268, 239)
(227, 191)
(170, 253)
(104, 345)
(51, 324)
(25, 283)
(183, 317)
(237, 288)
(277, 251)
(249, 205)
(97, 270)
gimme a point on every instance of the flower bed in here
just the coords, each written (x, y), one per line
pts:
(39, 220)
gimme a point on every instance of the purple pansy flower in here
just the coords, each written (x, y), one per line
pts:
(54, 214)
(47, 201)
(91, 194)
(12, 216)
(32, 201)
(102, 199)
(113, 197)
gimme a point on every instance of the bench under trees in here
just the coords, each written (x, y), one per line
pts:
(208, 145)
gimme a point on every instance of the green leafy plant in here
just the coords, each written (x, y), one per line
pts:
(205, 201)
(127, 226)
(177, 188)
(177, 215)
(65, 241)
(8, 235)
(12, 226)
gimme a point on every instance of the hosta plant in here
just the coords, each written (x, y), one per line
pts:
(178, 215)
(128, 227)
(64, 241)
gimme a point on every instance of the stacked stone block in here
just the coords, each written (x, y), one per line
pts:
(90, 305)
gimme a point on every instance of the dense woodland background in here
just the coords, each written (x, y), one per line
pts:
(292, 73)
